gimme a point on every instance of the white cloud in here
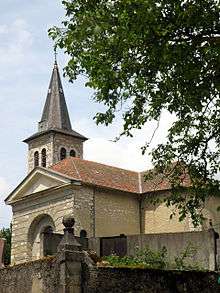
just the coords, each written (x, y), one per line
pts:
(16, 40)
(123, 155)
(5, 211)
(4, 187)
(126, 153)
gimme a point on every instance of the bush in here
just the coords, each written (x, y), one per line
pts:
(145, 258)
(148, 258)
(182, 261)
(6, 234)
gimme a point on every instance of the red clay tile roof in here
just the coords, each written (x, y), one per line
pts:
(111, 177)
(98, 174)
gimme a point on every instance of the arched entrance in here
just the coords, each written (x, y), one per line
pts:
(41, 224)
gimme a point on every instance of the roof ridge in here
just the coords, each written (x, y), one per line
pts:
(97, 163)
(140, 183)
(73, 163)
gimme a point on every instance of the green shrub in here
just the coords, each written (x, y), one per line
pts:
(145, 258)
(149, 258)
(182, 260)
(152, 258)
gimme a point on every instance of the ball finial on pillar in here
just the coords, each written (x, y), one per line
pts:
(68, 221)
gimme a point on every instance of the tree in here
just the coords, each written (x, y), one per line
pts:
(143, 57)
(6, 234)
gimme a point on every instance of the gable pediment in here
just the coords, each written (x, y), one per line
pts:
(40, 179)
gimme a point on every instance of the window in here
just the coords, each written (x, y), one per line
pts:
(43, 158)
(72, 153)
(83, 234)
(36, 159)
(62, 153)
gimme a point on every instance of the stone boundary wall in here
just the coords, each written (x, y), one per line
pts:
(35, 277)
(71, 270)
(175, 243)
(125, 280)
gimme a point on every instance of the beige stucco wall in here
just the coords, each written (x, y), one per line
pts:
(116, 213)
(211, 212)
(156, 218)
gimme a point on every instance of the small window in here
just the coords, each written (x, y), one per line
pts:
(43, 158)
(36, 159)
(72, 153)
(83, 234)
(62, 153)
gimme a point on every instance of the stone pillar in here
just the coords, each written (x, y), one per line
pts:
(69, 259)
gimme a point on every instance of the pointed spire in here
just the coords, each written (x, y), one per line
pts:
(55, 113)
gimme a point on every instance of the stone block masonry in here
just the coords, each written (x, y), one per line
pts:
(125, 280)
(47, 275)
(72, 271)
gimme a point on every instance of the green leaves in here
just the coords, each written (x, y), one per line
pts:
(6, 234)
(144, 57)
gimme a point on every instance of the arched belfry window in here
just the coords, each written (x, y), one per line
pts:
(43, 158)
(62, 153)
(36, 159)
(72, 153)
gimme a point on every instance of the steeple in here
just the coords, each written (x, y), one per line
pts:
(55, 139)
(55, 113)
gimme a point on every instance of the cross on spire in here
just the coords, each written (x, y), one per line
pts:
(55, 113)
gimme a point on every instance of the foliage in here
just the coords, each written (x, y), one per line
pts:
(146, 258)
(144, 57)
(181, 261)
(149, 258)
(6, 234)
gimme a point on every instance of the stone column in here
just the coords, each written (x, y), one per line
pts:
(69, 259)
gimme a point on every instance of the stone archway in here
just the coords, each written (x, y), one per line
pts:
(42, 223)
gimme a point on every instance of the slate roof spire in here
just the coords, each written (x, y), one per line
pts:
(55, 113)
(55, 117)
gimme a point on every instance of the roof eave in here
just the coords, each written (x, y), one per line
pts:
(38, 134)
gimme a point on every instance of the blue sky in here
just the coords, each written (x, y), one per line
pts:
(26, 60)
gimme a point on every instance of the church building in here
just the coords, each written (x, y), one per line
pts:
(105, 200)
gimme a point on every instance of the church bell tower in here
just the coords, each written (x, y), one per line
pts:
(55, 139)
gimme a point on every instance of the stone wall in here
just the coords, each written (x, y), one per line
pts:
(204, 242)
(72, 271)
(69, 143)
(50, 275)
(53, 142)
(98, 212)
(25, 213)
(37, 144)
(125, 280)
(36, 277)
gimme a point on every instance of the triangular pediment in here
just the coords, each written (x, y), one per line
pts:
(40, 179)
